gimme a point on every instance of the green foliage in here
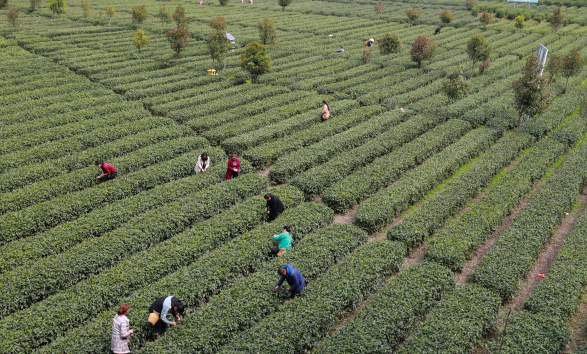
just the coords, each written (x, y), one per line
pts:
(413, 15)
(140, 40)
(217, 45)
(557, 20)
(394, 312)
(478, 49)
(366, 55)
(390, 43)
(486, 19)
(469, 4)
(299, 323)
(57, 6)
(267, 31)
(179, 17)
(378, 8)
(34, 4)
(136, 271)
(446, 17)
(255, 60)
(457, 243)
(178, 39)
(529, 332)
(139, 14)
(572, 63)
(13, 20)
(223, 2)
(86, 9)
(110, 12)
(457, 324)
(351, 190)
(519, 23)
(3, 3)
(508, 262)
(249, 298)
(454, 86)
(419, 225)
(387, 203)
(164, 15)
(531, 94)
(284, 3)
(423, 49)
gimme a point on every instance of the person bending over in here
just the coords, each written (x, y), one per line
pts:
(294, 278)
(284, 242)
(274, 206)
(108, 171)
(160, 309)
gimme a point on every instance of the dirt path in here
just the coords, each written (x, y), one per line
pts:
(346, 218)
(265, 172)
(578, 326)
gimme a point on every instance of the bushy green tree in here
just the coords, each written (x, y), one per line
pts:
(164, 15)
(181, 20)
(255, 60)
(267, 31)
(554, 66)
(519, 22)
(478, 49)
(284, 3)
(423, 49)
(86, 9)
(531, 94)
(446, 17)
(413, 15)
(390, 43)
(571, 65)
(57, 6)
(178, 39)
(218, 43)
(140, 40)
(110, 12)
(34, 4)
(218, 23)
(454, 86)
(486, 18)
(557, 20)
(13, 20)
(470, 4)
(139, 14)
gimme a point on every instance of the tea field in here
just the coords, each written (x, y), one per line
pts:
(421, 225)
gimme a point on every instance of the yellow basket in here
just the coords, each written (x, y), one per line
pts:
(211, 72)
(330, 36)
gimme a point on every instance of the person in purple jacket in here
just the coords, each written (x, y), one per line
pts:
(294, 278)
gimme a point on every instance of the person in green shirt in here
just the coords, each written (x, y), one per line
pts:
(284, 242)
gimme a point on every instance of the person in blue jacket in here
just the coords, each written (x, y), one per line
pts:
(294, 278)
(162, 306)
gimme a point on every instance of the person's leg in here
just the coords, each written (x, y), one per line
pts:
(293, 294)
(157, 328)
(273, 252)
(272, 216)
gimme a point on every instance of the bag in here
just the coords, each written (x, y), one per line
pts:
(153, 317)
(324, 116)
(281, 252)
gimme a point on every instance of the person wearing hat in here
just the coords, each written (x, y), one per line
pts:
(294, 278)
(274, 206)
(370, 42)
(203, 163)
(284, 242)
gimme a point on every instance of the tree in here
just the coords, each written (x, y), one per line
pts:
(470, 4)
(531, 94)
(178, 39)
(3, 3)
(378, 8)
(366, 56)
(267, 31)
(180, 18)
(87, 10)
(554, 66)
(454, 86)
(486, 19)
(218, 23)
(139, 14)
(223, 2)
(13, 20)
(110, 12)
(390, 43)
(446, 17)
(34, 4)
(571, 64)
(255, 60)
(478, 49)
(140, 40)
(483, 66)
(164, 15)
(413, 15)
(519, 23)
(557, 20)
(284, 3)
(57, 6)
(423, 49)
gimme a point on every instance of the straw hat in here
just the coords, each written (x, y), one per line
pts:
(371, 39)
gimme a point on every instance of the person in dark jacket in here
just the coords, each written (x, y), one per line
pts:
(161, 307)
(437, 31)
(274, 206)
(294, 278)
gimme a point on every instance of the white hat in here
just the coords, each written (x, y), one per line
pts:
(372, 40)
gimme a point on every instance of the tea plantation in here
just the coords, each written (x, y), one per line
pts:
(422, 222)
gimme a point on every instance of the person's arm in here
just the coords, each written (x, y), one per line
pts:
(280, 281)
(124, 331)
(278, 237)
(207, 163)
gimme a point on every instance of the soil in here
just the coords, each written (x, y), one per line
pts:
(346, 218)
(578, 326)
(265, 172)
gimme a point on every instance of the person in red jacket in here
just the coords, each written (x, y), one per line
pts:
(234, 166)
(108, 171)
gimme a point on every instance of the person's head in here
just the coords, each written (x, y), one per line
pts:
(180, 307)
(99, 163)
(282, 271)
(204, 156)
(340, 47)
(234, 156)
(326, 104)
(267, 196)
(287, 228)
(123, 309)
